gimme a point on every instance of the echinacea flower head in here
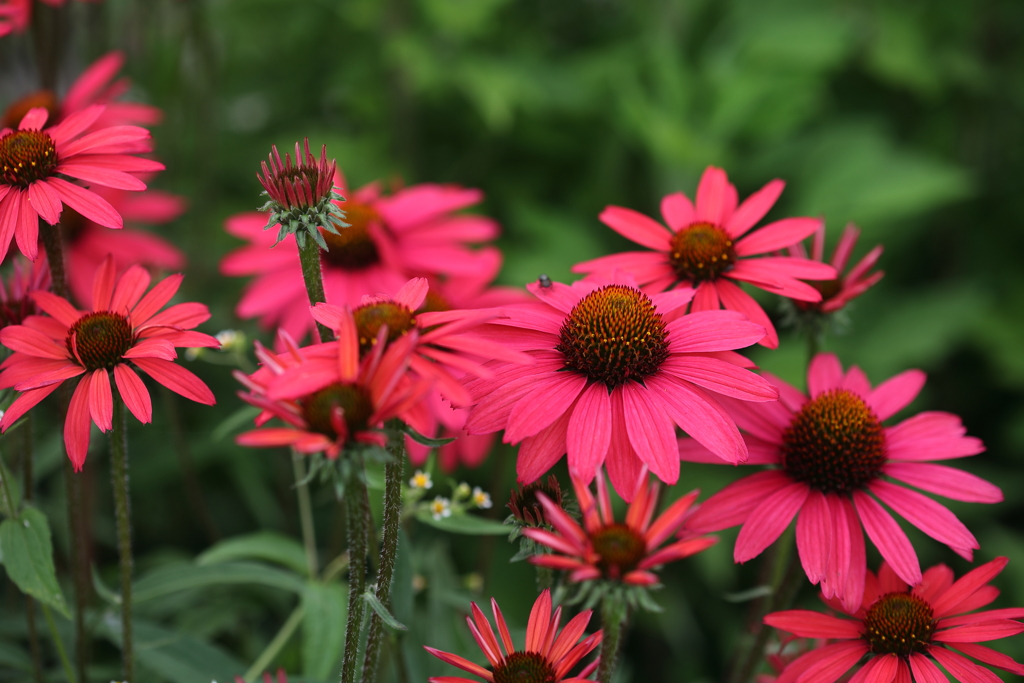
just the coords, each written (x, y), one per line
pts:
(904, 630)
(831, 464)
(836, 293)
(34, 161)
(16, 289)
(548, 657)
(15, 16)
(123, 331)
(603, 548)
(525, 505)
(327, 397)
(707, 247)
(615, 371)
(390, 238)
(302, 200)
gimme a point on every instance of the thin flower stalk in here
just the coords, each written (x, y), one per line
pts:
(123, 514)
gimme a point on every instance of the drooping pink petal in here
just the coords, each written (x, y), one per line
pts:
(842, 656)
(700, 417)
(928, 516)
(979, 632)
(888, 537)
(990, 656)
(45, 201)
(77, 424)
(25, 402)
(896, 393)
(768, 520)
(589, 432)
(528, 417)
(847, 564)
(733, 504)
(87, 203)
(539, 453)
(962, 669)
(177, 379)
(814, 536)
(31, 342)
(736, 299)
(651, 433)
(807, 624)
(26, 232)
(925, 671)
(134, 393)
(101, 402)
(95, 175)
(945, 481)
(705, 298)
(636, 227)
(754, 208)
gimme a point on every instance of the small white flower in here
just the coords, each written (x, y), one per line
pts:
(421, 481)
(440, 507)
(481, 498)
(230, 340)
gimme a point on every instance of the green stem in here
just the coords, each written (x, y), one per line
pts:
(62, 654)
(305, 514)
(357, 505)
(122, 506)
(312, 275)
(393, 473)
(275, 645)
(614, 614)
(33, 640)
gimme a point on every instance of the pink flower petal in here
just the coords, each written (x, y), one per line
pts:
(101, 402)
(134, 393)
(77, 424)
(636, 227)
(678, 211)
(268, 438)
(754, 208)
(57, 307)
(808, 624)
(925, 671)
(888, 537)
(539, 453)
(177, 379)
(961, 668)
(928, 516)
(45, 201)
(713, 197)
(945, 481)
(27, 230)
(589, 432)
(24, 403)
(34, 119)
(705, 298)
(537, 625)
(700, 417)
(528, 417)
(777, 236)
(768, 520)
(847, 562)
(841, 657)
(896, 393)
(87, 203)
(130, 288)
(733, 504)
(712, 331)
(461, 663)
(979, 632)
(145, 311)
(721, 377)
(966, 586)
(95, 175)
(412, 293)
(736, 299)
(814, 536)
(623, 465)
(103, 285)
(931, 436)
(824, 373)
(651, 432)
(991, 657)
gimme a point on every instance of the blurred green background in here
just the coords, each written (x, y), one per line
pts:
(904, 118)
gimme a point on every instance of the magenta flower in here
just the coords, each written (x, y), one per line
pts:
(548, 657)
(705, 248)
(835, 294)
(615, 372)
(414, 232)
(905, 630)
(831, 460)
(16, 301)
(33, 162)
(125, 324)
(604, 548)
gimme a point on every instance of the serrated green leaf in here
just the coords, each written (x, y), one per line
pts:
(264, 545)
(171, 579)
(28, 557)
(323, 627)
(377, 606)
(425, 440)
(470, 525)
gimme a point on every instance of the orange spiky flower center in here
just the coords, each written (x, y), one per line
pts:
(614, 334)
(371, 317)
(701, 251)
(899, 624)
(318, 409)
(353, 247)
(524, 667)
(100, 339)
(620, 549)
(26, 156)
(17, 110)
(835, 443)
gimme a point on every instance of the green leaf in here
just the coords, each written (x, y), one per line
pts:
(171, 579)
(323, 627)
(173, 656)
(425, 440)
(234, 422)
(28, 557)
(269, 546)
(14, 657)
(377, 606)
(465, 524)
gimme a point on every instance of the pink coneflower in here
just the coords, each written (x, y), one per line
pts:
(705, 248)
(16, 289)
(87, 244)
(548, 657)
(33, 161)
(904, 631)
(15, 16)
(605, 549)
(832, 458)
(835, 294)
(329, 398)
(125, 324)
(389, 239)
(616, 370)
(96, 85)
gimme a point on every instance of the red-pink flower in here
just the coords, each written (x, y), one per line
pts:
(26, 277)
(326, 395)
(125, 324)
(835, 294)
(707, 247)
(616, 371)
(33, 161)
(906, 630)
(390, 239)
(831, 460)
(605, 549)
(15, 16)
(548, 657)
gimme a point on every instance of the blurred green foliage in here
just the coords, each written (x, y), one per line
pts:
(905, 118)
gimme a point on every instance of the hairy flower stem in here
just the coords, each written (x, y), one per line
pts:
(393, 472)
(614, 615)
(77, 516)
(122, 507)
(357, 507)
(305, 514)
(313, 276)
